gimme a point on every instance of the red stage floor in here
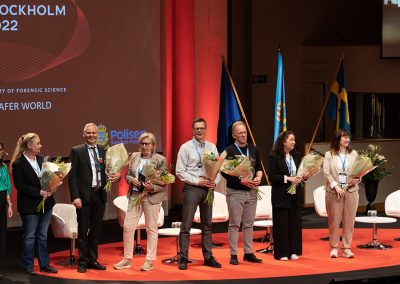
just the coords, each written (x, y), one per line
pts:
(315, 260)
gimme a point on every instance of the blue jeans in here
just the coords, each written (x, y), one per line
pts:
(34, 228)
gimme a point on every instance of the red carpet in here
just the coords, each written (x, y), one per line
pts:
(315, 260)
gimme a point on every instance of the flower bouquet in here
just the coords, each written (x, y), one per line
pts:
(52, 174)
(240, 166)
(211, 165)
(157, 173)
(378, 160)
(116, 160)
(312, 163)
(361, 166)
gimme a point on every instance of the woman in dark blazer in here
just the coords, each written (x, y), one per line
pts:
(286, 208)
(26, 172)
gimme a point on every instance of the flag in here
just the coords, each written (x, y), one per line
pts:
(338, 105)
(280, 101)
(228, 110)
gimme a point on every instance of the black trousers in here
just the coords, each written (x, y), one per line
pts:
(287, 231)
(3, 222)
(90, 218)
(194, 196)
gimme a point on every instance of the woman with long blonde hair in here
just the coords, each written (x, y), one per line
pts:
(26, 172)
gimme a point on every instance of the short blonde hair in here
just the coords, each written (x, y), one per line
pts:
(150, 136)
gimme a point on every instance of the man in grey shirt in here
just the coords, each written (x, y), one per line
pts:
(189, 170)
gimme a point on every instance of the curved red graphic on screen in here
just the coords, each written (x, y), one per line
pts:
(19, 62)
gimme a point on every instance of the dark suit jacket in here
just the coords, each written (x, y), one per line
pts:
(28, 186)
(277, 169)
(80, 176)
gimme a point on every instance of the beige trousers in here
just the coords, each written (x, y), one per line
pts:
(132, 217)
(343, 211)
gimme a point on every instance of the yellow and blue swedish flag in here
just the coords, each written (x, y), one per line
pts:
(280, 101)
(338, 104)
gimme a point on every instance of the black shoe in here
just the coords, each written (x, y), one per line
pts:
(182, 263)
(95, 265)
(48, 269)
(81, 269)
(250, 257)
(29, 271)
(234, 260)
(212, 262)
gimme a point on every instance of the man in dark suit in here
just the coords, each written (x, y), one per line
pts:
(86, 184)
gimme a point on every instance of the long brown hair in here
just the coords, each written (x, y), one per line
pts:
(278, 147)
(335, 142)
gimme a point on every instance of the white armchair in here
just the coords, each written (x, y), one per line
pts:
(64, 224)
(121, 205)
(320, 204)
(392, 205)
(220, 213)
(264, 218)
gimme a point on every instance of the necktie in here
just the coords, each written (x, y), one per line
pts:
(97, 166)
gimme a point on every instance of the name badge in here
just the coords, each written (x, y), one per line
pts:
(342, 178)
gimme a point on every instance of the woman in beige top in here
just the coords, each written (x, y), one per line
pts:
(341, 193)
(149, 205)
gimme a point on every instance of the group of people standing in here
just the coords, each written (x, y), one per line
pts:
(88, 177)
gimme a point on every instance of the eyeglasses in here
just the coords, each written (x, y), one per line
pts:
(199, 129)
(144, 143)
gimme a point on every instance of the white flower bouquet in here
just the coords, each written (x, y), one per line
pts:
(52, 175)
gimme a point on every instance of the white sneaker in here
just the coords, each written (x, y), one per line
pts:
(334, 253)
(294, 257)
(147, 265)
(123, 264)
(284, 258)
(347, 253)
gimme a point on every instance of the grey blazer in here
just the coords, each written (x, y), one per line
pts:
(158, 194)
(331, 171)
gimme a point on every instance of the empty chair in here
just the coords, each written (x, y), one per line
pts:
(264, 211)
(65, 225)
(220, 212)
(121, 205)
(264, 218)
(392, 205)
(319, 204)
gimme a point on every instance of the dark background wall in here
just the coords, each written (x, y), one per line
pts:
(312, 35)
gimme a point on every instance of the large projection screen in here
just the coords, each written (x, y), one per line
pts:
(65, 63)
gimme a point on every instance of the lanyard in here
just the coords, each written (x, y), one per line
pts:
(343, 161)
(94, 155)
(36, 168)
(197, 150)
(247, 148)
(289, 165)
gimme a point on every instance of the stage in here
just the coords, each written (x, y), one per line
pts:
(315, 266)
(314, 263)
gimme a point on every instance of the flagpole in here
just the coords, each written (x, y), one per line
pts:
(243, 114)
(324, 107)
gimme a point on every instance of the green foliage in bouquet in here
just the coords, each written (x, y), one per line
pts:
(378, 160)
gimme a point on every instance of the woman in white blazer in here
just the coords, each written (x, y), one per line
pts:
(341, 193)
